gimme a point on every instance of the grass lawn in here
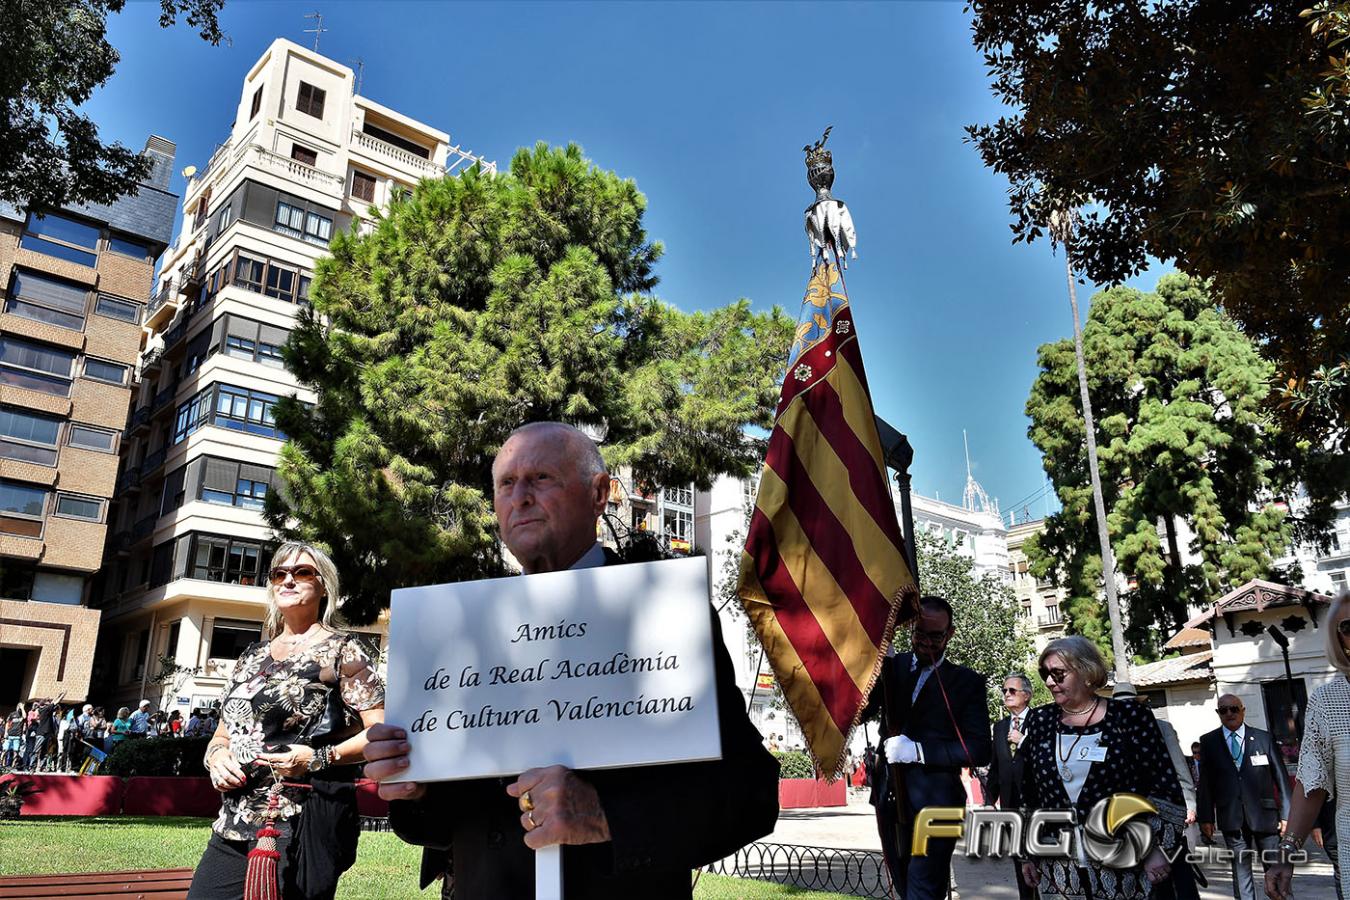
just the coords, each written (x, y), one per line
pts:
(385, 866)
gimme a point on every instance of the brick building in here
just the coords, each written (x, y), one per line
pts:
(76, 282)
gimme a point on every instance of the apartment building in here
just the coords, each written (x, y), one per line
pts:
(305, 158)
(76, 282)
(1038, 598)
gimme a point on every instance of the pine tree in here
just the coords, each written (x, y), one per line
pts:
(1184, 437)
(476, 305)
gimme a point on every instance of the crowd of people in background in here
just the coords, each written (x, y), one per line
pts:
(45, 735)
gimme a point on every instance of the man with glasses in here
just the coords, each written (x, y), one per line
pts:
(939, 717)
(1243, 789)
(1004, 772)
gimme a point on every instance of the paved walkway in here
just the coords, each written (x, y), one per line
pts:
(854, 827)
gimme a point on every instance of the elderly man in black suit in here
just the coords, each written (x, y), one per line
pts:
(940, 717)
(1004, 772)
(1244, 790)
(632, 832)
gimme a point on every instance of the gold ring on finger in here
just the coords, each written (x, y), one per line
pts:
(525, 802)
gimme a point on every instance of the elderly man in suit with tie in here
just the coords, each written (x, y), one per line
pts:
(1243, 789)
(1004, 773)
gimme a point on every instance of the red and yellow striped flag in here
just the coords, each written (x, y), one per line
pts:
(823, 562)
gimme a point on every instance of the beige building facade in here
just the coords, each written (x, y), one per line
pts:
(1039, 599)
(306, 158)
(75, 285)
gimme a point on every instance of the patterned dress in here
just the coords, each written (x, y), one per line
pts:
(1136, 762)
(269, 703)
(1324, 756)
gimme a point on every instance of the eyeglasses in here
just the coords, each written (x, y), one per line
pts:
(307, 574)
(1012, 690)
(931, 637)
(1343, 627)
(1057, 675)
(1226, 710)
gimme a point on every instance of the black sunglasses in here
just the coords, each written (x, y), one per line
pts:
(1012, 690)
(1048, 675)
(1225, 710)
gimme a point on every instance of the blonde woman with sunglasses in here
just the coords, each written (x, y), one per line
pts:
(293, 724)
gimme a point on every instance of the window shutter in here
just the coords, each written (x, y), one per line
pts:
(56, 294)
(173, 486)
(256, 473)
(270, 334)
(221, 475)
(243, 328)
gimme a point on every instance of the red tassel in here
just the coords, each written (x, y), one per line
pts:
(260, 879)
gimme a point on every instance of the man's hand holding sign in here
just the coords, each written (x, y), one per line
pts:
(570, 705)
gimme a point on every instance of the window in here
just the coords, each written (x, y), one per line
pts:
(1338, 581)
(22, 507)
(128, 247)
(92, 438)
(62, 237)
(73, 507)
(363, 186)
(289, 219)
(256, 104)
(245, 410)
(226, 559)
(318, 229)
(229, 640)
(249, 273)
(97, 369)
(47, 299)
(1285, 702)
(116, 308)
(280, 283)
(683, 496)
(679, 524)
(36, 367)
(192, 415)
(224, 217)
(304, 154)
(310, 100)
(235, 484)
(28, 437)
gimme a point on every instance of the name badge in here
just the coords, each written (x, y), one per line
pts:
(1095, 754)
(1259, 759)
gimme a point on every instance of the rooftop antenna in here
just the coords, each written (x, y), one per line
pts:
(318, 28)
(360, 72)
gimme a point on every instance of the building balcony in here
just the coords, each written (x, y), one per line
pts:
(295, 170)
(1051, 619)
(153, 461)
(424, 168)
(130, 480)
(161, 306)
(139, 419)
(163, 398)
(145, 527)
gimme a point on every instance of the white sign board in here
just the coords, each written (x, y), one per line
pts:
(587, 668)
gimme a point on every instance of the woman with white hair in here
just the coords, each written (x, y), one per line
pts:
(292, 733)
(1324, 758)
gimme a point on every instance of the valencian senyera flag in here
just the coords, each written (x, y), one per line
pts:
(823, 562)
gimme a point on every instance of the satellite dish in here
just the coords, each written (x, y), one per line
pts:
(189, 171)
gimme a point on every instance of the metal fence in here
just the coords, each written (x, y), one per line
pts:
(860, 873)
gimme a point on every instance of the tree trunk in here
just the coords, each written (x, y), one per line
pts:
(1172, 575)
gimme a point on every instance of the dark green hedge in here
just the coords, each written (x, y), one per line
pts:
(157, 756)
(794, 764)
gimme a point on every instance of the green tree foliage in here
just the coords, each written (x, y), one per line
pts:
(989, 637)
(56, 53)
(1183, 433)
(1212, 135)
(479, 304)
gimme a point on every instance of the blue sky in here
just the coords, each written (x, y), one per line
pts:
(706, 106)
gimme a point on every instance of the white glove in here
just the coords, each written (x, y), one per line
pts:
(902, 750)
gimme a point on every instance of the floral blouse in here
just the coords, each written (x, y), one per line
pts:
(268, 703)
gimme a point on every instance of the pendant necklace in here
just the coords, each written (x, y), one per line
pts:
(1065, 772)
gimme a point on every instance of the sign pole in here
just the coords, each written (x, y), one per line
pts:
(548, 873)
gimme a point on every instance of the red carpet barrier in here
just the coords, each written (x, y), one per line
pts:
(808, 793)
(146, 796)
(71, 795)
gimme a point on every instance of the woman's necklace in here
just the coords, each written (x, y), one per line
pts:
(1065, 772)
(296, 642)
